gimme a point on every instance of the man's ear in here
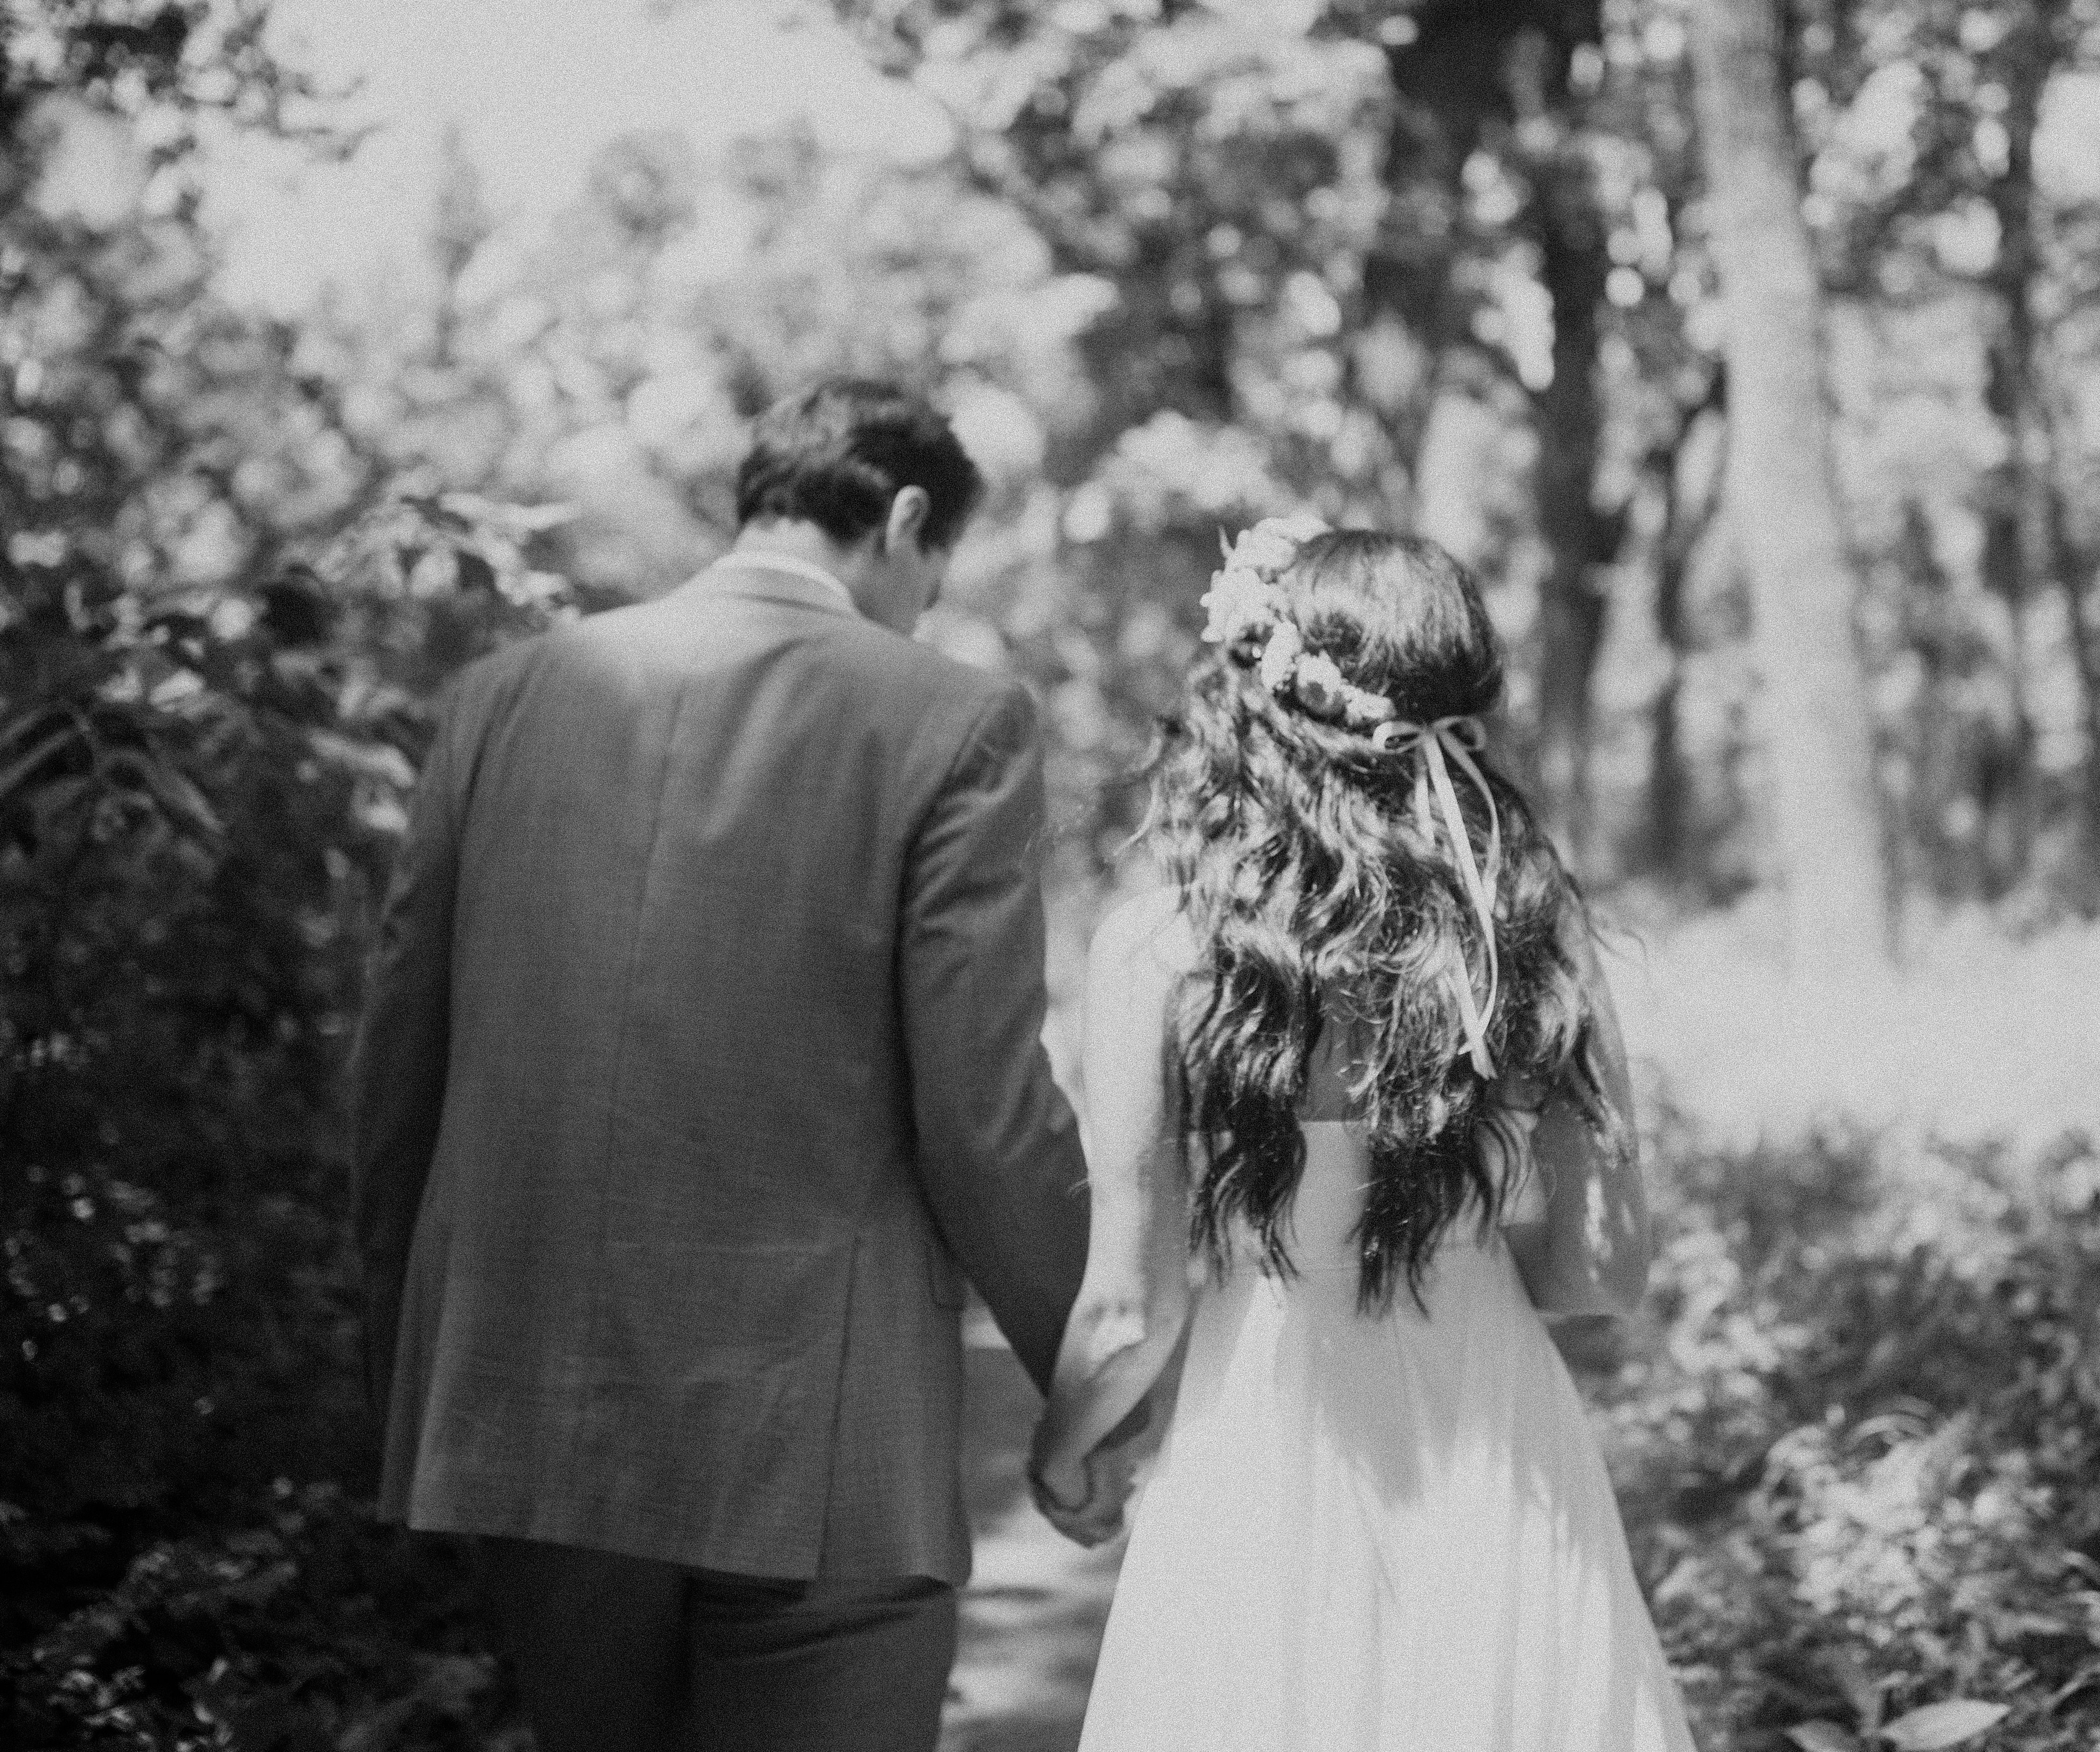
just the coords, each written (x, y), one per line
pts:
(908, 512)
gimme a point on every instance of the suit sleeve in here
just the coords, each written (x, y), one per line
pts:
(998, 1148)
(398, 1065)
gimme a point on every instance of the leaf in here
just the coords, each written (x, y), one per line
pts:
(1942, 1724)
(181, 798)
(448, 1690)
(34, 721)
(2087, 1674)
(439, 514)
(1822, 1737)
(16, 775)
(1861, 1691)
(533, 519)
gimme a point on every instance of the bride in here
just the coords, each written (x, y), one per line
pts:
(1359, 1114)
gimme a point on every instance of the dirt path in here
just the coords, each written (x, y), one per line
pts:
(1032, 1617)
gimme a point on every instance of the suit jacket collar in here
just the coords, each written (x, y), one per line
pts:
(765, 584)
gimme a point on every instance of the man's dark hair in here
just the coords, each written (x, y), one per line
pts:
(839, 453)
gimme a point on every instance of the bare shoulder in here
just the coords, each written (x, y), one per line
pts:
(1145, 939)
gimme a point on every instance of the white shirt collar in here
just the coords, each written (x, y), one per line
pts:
(796, 567)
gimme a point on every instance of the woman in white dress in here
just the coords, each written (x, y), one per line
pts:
(1359, 1114)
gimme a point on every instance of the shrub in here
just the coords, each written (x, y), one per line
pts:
(1859, 1437)
(198, 799)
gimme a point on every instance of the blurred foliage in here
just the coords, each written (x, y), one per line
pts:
(1450, 264)
(1857, 1440)
(220, 620)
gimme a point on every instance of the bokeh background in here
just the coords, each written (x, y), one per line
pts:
(1749, 349)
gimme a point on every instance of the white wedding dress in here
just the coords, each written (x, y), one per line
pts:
(1377, 1534)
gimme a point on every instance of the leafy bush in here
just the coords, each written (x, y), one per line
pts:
(1858, 1440)
(198, 797)
(306, 1628)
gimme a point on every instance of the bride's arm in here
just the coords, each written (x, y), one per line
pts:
(1581, 1240)
(1133, 1299)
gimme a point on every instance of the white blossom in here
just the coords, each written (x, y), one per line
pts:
(1272, 543)
(1280, 656)
(1241, 605)
(1319, 687)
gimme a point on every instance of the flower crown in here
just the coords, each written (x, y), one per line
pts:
(1249, 616)
(1249, 619)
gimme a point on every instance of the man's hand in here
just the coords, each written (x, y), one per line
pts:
(1086, 1503)
(1088, 1509)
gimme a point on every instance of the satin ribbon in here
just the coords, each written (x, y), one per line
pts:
(1444, 741)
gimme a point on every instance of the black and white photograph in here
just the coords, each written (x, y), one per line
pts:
(1050, 876)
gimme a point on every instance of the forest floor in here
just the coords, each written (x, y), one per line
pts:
(1854, 1431)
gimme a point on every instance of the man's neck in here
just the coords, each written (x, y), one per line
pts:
(804, 549)
(798, 542)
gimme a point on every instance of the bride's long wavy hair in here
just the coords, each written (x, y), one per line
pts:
(1320, 902)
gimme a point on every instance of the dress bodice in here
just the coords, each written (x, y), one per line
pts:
(1329, 1200)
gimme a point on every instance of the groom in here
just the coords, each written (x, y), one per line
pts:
(699, 1068)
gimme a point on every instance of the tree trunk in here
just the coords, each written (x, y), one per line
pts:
(1450, 76)
(1668, 784)
(1691, 496)
(2079, 571)
(2081, 586)
(2030, 502)
(1472, 62)
(1582, 540)
(1448, 79)
(1781, 497)
(2020, 549)
(1950, 759)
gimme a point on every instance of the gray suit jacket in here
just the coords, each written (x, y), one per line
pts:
(700, 1050)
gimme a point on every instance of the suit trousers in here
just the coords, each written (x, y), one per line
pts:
(618, 1654)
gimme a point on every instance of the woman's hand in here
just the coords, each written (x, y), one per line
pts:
(1086, 1506)
(1084, 1499)
(1133, 1300)
(1064, 1494)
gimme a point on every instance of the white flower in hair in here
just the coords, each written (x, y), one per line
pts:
(1242, 605)
(1280, 656)
(1300, 526)
(1273, 542)
(1319, 687)
(1367, 709)
(1242, 600)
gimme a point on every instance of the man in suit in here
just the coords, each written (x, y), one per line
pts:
(700, 1065)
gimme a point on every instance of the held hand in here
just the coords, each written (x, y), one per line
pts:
(1086, 1505)
(1085, 1502)
(1067, 1500)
